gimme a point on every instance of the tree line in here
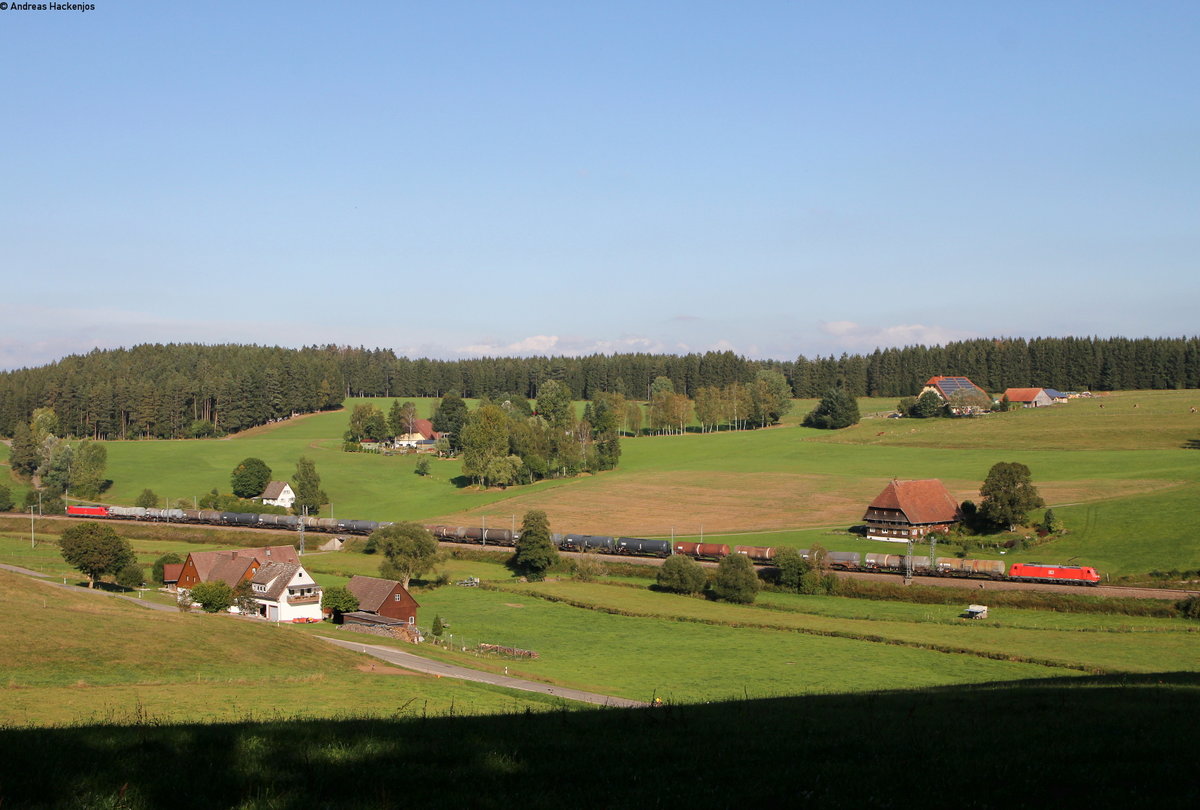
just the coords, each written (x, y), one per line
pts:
(191, 390)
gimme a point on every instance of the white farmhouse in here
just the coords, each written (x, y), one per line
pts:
(278, 493)
(285, 592)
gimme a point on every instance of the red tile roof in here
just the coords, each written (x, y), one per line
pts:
(1022, 394)
(923, 501)
(230, 566)
(171, 571)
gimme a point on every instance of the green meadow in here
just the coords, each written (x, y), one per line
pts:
(75, 657)
(1120, 476)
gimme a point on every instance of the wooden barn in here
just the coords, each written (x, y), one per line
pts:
(910, 510)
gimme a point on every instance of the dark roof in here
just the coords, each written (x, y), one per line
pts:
(950, 385)
(362, 617)
(372, 592)
(1050, 392)
(273, 490)
(923, 501)
(276, 577)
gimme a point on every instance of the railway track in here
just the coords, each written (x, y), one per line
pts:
(1121, 591)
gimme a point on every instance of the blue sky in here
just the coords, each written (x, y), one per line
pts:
(479, 178)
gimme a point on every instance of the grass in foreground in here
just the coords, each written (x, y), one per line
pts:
(71, 655)
(1105, 742)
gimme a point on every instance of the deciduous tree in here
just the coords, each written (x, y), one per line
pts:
(409, 548)
(95, 549)
(736, 580)
(147, 499)
(1008, 494)
(339, 600)
(535, 551)
(681, 574)
(250, 478)
(306, 483)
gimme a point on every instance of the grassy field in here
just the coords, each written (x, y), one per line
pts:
(1097, 742)
(1118, 475)
(75, 657)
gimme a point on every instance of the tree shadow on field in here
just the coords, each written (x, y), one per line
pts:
(1191, 444)
(461, 481)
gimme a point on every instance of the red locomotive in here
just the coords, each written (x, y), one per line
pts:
(1036, 572)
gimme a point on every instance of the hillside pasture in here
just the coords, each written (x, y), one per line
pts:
(786, 479)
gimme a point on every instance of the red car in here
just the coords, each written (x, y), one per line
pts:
(1071, 574)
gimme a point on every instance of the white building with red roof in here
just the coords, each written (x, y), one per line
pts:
(910, 510)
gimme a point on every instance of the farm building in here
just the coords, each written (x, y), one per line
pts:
(278, 493)
(960, 394)
(285, 592)
(423, 435)
(1028, 397)
(1057, 397)
(381, 601)
(171, 572)
(230, 567)
(909, 510)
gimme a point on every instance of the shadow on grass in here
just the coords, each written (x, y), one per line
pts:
(1112, 741)
(1192, 444)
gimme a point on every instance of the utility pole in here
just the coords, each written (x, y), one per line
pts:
(908, 563)
(32, 541)
(301, 523)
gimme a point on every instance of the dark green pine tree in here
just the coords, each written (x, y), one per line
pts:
(837, 409)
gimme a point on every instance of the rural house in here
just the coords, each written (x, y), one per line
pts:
(960, 394)
(423, 435)
(381, 601)
(171, 572)
(909, 510)
(230, 567)
(278, 493)
(1028, 397)
(285, 592)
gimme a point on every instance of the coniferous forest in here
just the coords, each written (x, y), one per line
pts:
(190, 390)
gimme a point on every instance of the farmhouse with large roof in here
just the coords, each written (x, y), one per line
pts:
(960, 394)
(909, 510)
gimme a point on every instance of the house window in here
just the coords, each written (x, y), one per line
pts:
(397, 597)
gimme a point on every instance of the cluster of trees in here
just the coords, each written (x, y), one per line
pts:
(189, 390)
(56, 466)
(248, 480)
(735, 579)
(505, 441)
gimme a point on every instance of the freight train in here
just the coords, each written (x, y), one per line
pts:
(635, 546)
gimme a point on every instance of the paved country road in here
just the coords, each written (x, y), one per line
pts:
(416, 662)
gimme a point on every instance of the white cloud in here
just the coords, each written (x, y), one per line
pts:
(855, 336)
(556, 345)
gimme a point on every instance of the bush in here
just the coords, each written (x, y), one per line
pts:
(589, 568)
(156, 570)
(681, 574)
(213, 596)
(131, 576)
(6, 501)
(1189, 608)
(736, 580)
(147, 499)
